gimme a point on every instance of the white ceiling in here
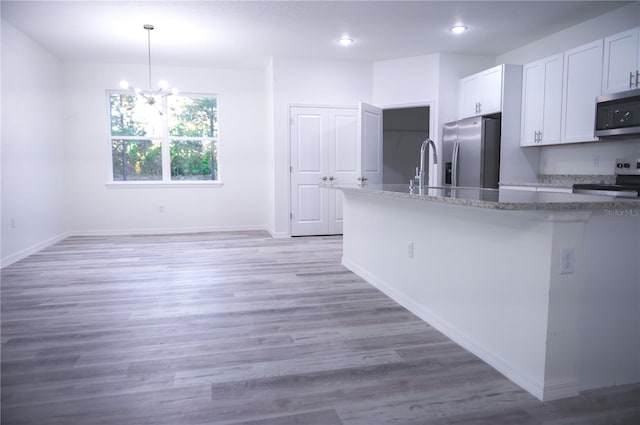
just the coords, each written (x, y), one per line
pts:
(246, 33)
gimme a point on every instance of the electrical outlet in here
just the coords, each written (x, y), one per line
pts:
(161, 209)
(410, 250)
(567, 261)
(13, 222)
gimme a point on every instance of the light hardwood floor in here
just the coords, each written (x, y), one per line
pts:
(239, 328)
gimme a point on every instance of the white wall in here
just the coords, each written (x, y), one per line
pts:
(406, 81)
(590, 158)
(270, 178)
(616, 21)
(426, 80)
(308, 82)
(241, 203)
(32, 149)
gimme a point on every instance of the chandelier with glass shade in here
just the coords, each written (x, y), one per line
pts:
(150, 96)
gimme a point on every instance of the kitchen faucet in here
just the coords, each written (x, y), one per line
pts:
(423, 149)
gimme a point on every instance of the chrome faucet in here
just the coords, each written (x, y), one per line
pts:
(423, 149)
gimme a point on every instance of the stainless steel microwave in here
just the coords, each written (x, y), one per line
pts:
(618, 114)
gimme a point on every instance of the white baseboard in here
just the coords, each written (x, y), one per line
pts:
(512, 372)
(168, 231)
(560, 389)
(279, 235)
(24, 253)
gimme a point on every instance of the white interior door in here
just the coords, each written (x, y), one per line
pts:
(343, 160)
(309, 165)
(324, 149)
(370, 143)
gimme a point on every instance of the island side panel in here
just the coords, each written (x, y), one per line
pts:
(609, 315)
(480, 276)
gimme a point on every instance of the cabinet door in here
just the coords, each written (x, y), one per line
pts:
(470, 92)
(621, 61)
(582, 83)
(552, 69)
(532, 101)
(491, 91)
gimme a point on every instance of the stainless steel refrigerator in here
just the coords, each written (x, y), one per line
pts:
(471, 152)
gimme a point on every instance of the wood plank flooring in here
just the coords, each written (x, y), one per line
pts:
(239, 328)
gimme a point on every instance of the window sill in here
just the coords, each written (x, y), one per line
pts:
(161, 184)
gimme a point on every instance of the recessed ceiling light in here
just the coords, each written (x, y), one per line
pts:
(458, 29)
(345, 40)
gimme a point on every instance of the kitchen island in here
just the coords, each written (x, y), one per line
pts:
(544, 287)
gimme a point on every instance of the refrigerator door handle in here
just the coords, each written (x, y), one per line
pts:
(454, 164)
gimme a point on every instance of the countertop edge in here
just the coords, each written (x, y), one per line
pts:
(630, 205)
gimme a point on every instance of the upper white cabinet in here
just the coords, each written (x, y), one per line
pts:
(481, 93)
(542, 101)
(621, 68)
(582, 83)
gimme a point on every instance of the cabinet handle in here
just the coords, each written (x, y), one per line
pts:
(630, 79)
(540, 136)
(479, 107)
(323, 178)
(637, 78)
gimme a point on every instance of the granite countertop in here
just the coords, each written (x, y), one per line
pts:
(500, 199)
(565, 181)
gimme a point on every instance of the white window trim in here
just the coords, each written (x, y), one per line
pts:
(165, 137)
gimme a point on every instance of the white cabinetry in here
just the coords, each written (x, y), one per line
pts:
(542, 101)
(621, 70)
(582, 83)
(481, 93)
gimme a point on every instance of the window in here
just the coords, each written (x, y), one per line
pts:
(175, 139)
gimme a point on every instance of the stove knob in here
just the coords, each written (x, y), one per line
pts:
(627, 165)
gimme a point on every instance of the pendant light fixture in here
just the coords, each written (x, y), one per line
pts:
(151, 96)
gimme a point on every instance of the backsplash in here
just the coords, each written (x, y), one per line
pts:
(568, 180)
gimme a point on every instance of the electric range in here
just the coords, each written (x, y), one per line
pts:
(627, 181)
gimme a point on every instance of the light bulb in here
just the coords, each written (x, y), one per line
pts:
(124, 84)
(345, 40)
(163, 84)
(174, 91)
(458, 29)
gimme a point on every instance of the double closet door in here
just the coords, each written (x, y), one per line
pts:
(327, 148)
